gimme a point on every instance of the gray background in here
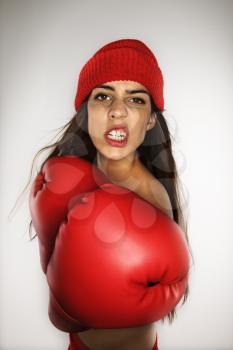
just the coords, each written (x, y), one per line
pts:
(44, 44)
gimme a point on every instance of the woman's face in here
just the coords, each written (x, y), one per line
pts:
(114, 104)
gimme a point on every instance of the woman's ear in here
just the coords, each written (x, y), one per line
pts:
(152, 121)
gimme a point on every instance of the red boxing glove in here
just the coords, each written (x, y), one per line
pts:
(52, 195)
(118, 261)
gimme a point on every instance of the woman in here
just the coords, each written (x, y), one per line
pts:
(119, 127)
(111, 106)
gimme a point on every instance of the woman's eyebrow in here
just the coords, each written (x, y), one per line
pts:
(108, 87)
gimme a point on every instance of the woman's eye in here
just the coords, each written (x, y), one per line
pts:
(139, 99)
(96, 97)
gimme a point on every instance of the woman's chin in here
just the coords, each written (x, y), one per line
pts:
(113, 153)
(113, 156)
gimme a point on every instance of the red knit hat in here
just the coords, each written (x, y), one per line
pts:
(125, 59)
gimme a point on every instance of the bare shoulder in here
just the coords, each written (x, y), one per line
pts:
(142, 182)
(159, 196)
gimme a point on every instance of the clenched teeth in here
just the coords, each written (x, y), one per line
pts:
(117, 133)
(117, 137)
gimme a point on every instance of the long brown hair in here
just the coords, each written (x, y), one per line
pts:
(155, 153)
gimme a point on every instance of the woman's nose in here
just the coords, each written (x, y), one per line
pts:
(118, 110)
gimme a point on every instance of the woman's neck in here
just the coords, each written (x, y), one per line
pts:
(134, 176)
(125, 172)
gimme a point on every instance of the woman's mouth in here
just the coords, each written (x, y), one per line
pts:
(117, 137)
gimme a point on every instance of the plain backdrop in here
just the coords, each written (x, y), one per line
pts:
(44, 44)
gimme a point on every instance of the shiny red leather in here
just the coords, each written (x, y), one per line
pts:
(112, 260)
(52, 194)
